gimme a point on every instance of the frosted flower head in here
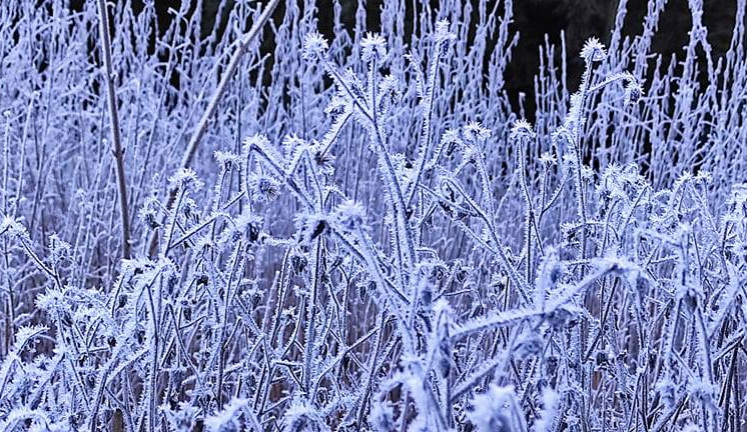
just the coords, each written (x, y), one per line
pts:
(593, 50)
(392, 87)
(13, 228)
(451, 140)
(325, 162)
(337, 107)
(702, 391)
(703, 178)
(185, 178)
(522, 130)
(6, 224)
(227, 160)
(244, 225)
(442, 307)
(475, 132)
(52, 300)
(182, 418)
(738, 196)
(351, 214)
(562, 139)
(58, 248)
(263, 188)
(633, 91)
(373, 47)
(314, 47)
(189, 208)
(442, 37)
(548, 159)
(149, 215)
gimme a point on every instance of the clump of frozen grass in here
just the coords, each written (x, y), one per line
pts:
(383, 245)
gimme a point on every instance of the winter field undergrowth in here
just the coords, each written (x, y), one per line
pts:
(362, 232)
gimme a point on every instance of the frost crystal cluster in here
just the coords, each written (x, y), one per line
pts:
(251, 225)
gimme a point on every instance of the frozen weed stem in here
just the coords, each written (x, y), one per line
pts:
(383, 243)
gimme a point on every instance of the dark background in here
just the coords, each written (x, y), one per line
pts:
(533, 19)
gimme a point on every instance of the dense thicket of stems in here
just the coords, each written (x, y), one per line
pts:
(385, 242)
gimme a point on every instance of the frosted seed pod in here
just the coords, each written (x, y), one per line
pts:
(373, 47)
(351, 214)
(633, 92)
(522, 130)
(593, 50)
(314, 47)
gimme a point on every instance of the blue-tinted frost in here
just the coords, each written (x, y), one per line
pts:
(383, 242)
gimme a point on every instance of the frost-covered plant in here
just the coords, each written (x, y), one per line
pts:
(359, 232)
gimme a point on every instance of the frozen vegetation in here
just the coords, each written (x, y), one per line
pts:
(270, 229)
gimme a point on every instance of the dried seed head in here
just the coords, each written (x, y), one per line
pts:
(351, 214)
(593, 50)
(633, 92)
(373, 47)
(522, 130)
(314, 47)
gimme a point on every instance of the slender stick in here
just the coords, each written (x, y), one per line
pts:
(201, 129)
(114, 119)
(233, 64)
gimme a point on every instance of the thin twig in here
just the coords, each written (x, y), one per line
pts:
(114, 119)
